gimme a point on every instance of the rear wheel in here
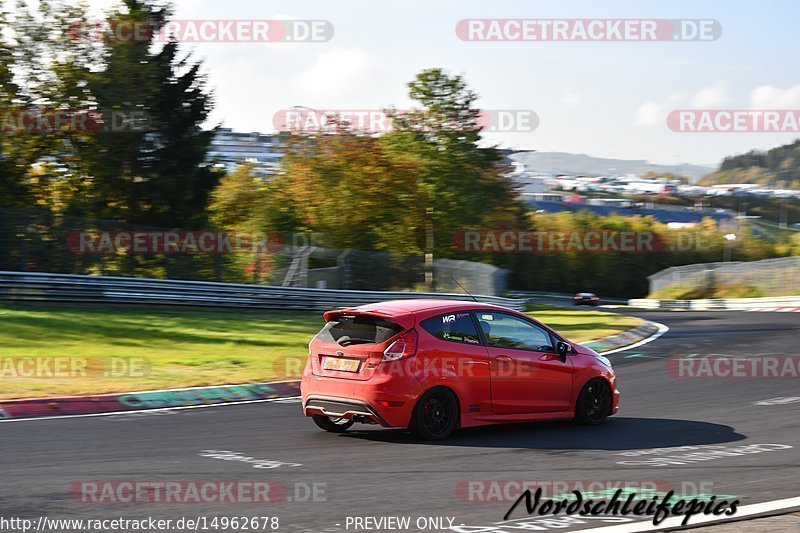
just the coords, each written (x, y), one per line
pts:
(334, 425)
(594, 403)
(435, 416)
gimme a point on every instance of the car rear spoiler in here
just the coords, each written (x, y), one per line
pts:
(404, 319)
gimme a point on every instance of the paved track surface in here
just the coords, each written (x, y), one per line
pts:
(376, 472)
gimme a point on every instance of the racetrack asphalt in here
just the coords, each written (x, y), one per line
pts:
(376, 472)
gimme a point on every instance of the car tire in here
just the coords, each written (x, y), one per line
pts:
(594, 403)
(435, 416)
(334, 425)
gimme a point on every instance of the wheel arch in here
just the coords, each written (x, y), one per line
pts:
(449, 389)
(596, 377)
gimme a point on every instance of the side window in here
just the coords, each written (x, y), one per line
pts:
(511, 332)
(453, 327)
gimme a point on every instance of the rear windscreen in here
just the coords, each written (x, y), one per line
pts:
(346, 330)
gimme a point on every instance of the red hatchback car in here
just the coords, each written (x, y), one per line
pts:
(433, 366)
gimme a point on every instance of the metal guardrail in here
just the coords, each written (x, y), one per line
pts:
(70, 288)
(731, 304)
(531, 295)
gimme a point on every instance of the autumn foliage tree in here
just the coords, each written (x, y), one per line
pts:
(383, 192)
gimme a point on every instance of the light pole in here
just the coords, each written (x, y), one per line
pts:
(429, 246)
(729, 239)
(301, 118)
(782, 219)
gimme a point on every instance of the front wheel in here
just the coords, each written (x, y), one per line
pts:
(435, 416)
(334, 425)
(594, 403)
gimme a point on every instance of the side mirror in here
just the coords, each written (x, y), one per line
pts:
(563, 349)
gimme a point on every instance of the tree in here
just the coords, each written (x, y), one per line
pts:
(153, 172)
(368, 192)
(352, 192)
(41, 77)
(12, 188)
(464, 184)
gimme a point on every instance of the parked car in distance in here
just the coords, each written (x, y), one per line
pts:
(433, 366)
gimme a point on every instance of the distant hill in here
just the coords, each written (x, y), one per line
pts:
(581, 164)
(778, 168)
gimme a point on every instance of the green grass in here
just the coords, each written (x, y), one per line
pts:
(190, 348)
(183, 347)
(690, 292)
(580, 325)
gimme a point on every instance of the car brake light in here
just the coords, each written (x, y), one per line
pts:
(405, 346)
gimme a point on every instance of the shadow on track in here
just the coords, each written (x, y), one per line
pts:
(617, 433)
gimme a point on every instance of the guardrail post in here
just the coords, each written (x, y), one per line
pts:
(218, 267)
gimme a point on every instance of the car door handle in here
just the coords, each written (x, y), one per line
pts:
(503, 359)
(549, 357)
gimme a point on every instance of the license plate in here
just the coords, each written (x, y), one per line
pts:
(340, 364)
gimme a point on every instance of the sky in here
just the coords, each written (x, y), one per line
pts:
(605, 99)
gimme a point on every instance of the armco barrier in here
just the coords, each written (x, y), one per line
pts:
(70, 288)
(532, 295)
(732, 304)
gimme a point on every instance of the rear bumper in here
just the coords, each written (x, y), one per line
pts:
(342, 408)
(380, 400)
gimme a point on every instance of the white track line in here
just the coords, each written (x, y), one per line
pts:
(662, 329)
(146, 411)
(675, 521)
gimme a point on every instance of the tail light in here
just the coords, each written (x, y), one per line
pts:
(405, 346)
(311, 364)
